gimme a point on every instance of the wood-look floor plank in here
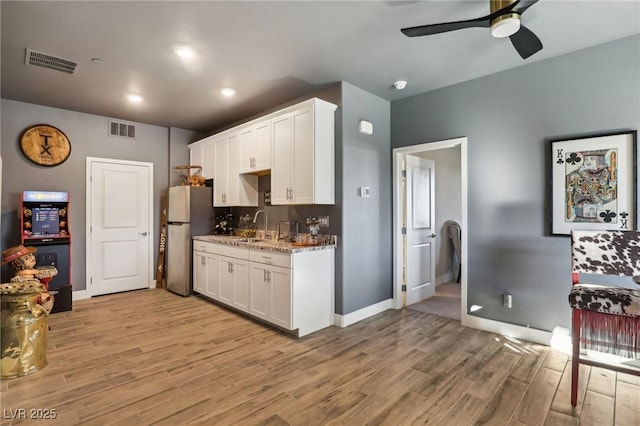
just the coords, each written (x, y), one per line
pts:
(503, 403)
(562, 398)
(555, 418)
(151, 357)
(602, 381)
(627, 405)
(533, 408)
(598, 410)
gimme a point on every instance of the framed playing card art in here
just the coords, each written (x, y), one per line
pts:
(594, 183)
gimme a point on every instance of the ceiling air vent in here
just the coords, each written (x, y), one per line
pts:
(122, 129)
(51, 62)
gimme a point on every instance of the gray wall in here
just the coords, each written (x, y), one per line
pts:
(364, 256)
(509, 118)
(89, 138)
(363, 225)
(179, 151)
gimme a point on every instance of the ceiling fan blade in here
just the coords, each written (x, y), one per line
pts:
(424, 30)
(524, 5)
(526, 42)
(484, 22)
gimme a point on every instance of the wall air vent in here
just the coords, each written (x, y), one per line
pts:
(122, 129)
(51, 62)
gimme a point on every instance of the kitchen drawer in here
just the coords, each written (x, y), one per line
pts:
(205, 247)
(271, 258)
(233, 251)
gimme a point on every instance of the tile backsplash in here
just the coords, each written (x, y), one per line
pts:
(275, 214)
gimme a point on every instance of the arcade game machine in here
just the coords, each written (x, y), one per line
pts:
(45, 226)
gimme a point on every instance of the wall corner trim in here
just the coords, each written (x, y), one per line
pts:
(361, 314)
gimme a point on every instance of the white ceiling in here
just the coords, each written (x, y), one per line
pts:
(269, 51)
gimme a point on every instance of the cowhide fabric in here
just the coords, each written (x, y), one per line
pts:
(608, 300)
(606, 252)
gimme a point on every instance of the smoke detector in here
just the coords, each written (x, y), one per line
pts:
(400, 84)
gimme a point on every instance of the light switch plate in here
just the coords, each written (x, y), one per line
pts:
(324, 221)
(365, 191)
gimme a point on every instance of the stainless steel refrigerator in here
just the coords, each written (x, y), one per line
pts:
(190, 213)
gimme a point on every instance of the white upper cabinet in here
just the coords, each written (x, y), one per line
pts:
(201, 153)
(230, 188)
(303, 154)
(255, 146)
(297, 144)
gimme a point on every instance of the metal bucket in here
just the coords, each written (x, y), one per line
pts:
(24, 329)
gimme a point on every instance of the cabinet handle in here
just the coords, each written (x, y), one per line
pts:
(264, 275)
(203, 260)
(268, 276)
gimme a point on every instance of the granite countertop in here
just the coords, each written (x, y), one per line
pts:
(269, 245)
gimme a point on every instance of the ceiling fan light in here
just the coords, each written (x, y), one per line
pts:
(505, 25)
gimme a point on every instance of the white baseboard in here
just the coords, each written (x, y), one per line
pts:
(443, 279)
(360, 314)
(506, 329)
(80, 295)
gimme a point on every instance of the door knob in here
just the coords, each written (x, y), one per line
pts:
(144, 234)
(432, 235)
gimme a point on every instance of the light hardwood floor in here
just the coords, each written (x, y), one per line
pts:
(151, 357)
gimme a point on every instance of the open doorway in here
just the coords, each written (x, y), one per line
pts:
(449, 174)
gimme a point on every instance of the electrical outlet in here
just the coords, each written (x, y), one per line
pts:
(324, 221)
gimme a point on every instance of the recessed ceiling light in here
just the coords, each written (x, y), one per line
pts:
(400, 84)
(97, 61)
(136, 99)
(228, 92)
(184, 52)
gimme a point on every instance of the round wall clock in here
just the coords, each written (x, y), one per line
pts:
(45, 145)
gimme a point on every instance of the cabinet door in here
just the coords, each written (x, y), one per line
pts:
(196, 153)
(302, 168)
(220, 172)
(281, 159)
(247, 137)
(241, 285)
(280, 300)
(200, 272)
(225, 279)
(213, 286)
(262, 152)
(259, 293)
(233, 171)
(208, 160)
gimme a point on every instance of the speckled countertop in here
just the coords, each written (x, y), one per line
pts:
(270, 245)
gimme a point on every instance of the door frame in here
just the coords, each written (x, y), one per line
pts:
(398, 156)
(89, 215)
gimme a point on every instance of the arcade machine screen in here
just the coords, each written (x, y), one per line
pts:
(46, 220)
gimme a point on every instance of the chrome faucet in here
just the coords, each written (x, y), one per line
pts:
(265, 221)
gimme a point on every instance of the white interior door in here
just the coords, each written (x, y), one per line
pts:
(119, 247)
(419, 223)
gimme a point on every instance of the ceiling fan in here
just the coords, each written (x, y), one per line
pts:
(504, 21)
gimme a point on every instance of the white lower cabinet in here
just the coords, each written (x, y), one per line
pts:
(205, 274)
(271, 294)
(294, 291)
(205, 269)
(233, 275)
